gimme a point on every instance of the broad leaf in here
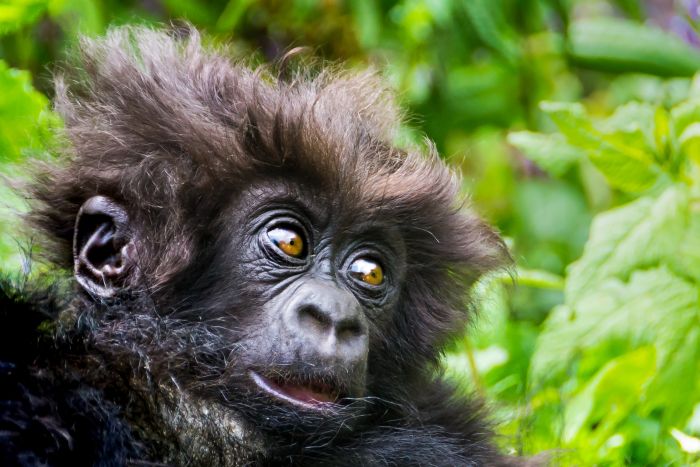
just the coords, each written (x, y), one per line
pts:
(18, 13)
(614, 391)
(23, 112)
(641, 234)
(623, 156)
(655, 307)
(550, 152)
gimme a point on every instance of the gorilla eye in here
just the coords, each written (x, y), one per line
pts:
(287, 240)
(367, 271)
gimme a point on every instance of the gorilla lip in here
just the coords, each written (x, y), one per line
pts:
(312, 395)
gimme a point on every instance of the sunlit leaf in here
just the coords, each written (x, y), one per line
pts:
(540, 279)
(689, 444)
(78, 16)
(23, 113)
(621, 156)
(627, 312)
(15, 14)
(642, 234)
(550, 152)
(611, 394)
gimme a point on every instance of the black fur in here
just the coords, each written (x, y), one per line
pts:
(48, 414)
(185, 139)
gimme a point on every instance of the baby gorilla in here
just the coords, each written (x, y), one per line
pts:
(261, 277)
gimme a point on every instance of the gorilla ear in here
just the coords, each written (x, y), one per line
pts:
(103, 250)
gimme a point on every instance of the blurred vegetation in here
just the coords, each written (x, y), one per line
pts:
(577, 126)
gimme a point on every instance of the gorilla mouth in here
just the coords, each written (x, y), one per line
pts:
(309, 393)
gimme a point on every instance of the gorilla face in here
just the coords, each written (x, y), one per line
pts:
(294, 286)
(325, 288)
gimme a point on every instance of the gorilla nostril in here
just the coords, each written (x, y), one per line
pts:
(348, 330)
(310, 315)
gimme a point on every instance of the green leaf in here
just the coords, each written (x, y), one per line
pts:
(628, 336)
(620, 154)
(686, 259)
(26, 124)
(367, 17)
(645, 233)
(662, 132)
(23, 112)
(685, 114)
(611, 394)
(232, 14)
(540, 279)
(624, 46)
(685, 126)
(487, 19)
(688, 443)
(17, 13)
(655, 307)
(550, 152)
(682, 344)
(636, 119)
(12, 248)
(78, 16)
(689, 142)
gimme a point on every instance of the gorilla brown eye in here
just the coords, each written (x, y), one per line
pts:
(287, 240)
(367, 271)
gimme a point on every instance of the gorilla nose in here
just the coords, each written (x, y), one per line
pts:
(330, 317)
(326, 320)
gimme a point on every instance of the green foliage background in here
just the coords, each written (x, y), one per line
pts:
(577, 127)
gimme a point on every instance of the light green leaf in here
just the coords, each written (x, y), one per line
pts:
(622, 156)
(655, 307)
(611, 394)
(458, 366)
(662, 132)
(539, 279)
(492, 319)
(685, 114)
(368, 21)
(487, 19)
(689, 142)
(684, 355)
(23, 112)
(641, 234)
(688, 443)
(12, 206)
(26, 123)
(18, 13)
(550, 152)
(635, 119)
(685, 126)
(78, 16)
(625, 46)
